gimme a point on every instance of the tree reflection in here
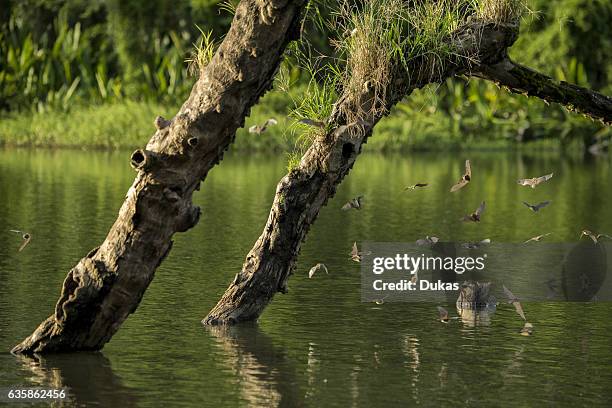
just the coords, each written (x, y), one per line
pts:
(88, 378)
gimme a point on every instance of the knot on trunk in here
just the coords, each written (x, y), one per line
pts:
(143, 159)
(188, 218)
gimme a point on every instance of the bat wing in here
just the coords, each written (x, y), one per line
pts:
(509, 294)
(421, 184)
(528, 205)
(543, 204)
(313, 270)
(544, 178)
(480, 209)
(462, 183)
(443, 313)
(519, 309)
(25, 243)
(355, 250)
(468, 169)
(271, 121)
(590, 235)
(347, 206)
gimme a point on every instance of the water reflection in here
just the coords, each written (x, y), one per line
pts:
(321, 345)
(475, 317)
(266, 376)
(88, 378)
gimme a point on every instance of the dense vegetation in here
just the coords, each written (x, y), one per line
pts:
(95, 74)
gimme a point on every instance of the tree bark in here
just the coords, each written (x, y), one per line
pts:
(107, 285)
(520, 79)
(302, 193)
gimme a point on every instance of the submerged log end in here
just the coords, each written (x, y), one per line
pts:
(237, 306)
(39, 340)
(212, 320)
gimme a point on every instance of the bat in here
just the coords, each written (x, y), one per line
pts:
(534, 182)
(465, 179)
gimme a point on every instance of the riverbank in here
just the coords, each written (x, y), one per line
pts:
(129, 124)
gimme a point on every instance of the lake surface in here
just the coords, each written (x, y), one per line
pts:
(318, 345)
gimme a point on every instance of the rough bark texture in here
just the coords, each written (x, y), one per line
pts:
(107, 285)
(302, 193)
(520, 79)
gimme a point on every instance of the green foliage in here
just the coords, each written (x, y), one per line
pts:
(202, 53)
(95, 58)
(100, 52)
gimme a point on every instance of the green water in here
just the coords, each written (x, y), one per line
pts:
(318, 345)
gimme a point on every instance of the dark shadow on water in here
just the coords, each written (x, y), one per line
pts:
(267, 375)
(584, 272)
(88, 379)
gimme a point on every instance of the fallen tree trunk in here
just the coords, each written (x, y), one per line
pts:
(107, 285)
(520, 79)
(302, 193)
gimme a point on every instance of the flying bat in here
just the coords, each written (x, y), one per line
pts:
(260, 129)
(465, 179)
(443, 314)
(415, 186)
(26, 238)
(527, 329)
(537, 238)
(593, 236)
(310, 122)
(537, 207)
(533, 182)
(515, 302)
(475, 216)
(476, 245)
(316, 269)
(415, 276)
(429, 241)
(355, 254)
(354, 203)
